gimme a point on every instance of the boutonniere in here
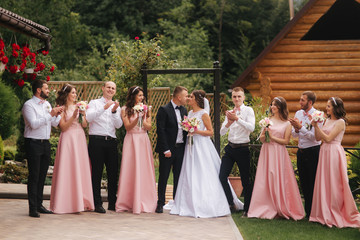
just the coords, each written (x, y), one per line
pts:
(308, 126)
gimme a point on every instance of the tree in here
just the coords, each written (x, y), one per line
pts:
(9, 108)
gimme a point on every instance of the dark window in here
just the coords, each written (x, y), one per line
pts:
(340, 22)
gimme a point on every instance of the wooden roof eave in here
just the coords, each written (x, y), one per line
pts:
(273, 43)
(22, 25)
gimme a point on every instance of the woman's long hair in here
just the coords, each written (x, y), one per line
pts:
(280, 103)
(63, 94)
(338, 108)
(131, 99)
(199, 97)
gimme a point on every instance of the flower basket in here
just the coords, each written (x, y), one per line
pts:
(28, 70)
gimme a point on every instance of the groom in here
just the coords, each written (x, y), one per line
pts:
(171, 141)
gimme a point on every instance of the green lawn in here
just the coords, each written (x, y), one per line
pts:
(281, 229)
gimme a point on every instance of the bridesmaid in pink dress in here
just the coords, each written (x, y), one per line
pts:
(137, 187)
(276, 192)
(333, 203)
(71, 189)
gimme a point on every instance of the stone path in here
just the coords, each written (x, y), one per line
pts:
(16, 224)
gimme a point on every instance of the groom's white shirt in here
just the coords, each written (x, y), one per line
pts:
(102, 122)
(38, 120)
(240, 130)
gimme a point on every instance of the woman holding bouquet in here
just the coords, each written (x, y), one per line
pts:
(71, 189)
(137, 187)
(333, 203)
(276, 192)
(199, 192)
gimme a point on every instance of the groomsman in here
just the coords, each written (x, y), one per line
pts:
(308, 153)
(171, 142)
(240, 122)
(103, 115)
(39, 117)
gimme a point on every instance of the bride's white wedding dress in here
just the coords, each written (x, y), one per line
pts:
(199, 192)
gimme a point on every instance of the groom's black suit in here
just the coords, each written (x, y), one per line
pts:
(167, 131)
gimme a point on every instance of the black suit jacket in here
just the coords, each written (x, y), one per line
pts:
(167, 127)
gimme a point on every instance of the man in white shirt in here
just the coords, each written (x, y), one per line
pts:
(240, 122)
(308, 153)
(104, 117)
(39, 117)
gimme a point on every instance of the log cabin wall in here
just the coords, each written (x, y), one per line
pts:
(329, 68)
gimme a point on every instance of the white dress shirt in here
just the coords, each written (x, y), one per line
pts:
(306, 133)
(38, 120)
(102, 122)
(179, 138)
(240, 130)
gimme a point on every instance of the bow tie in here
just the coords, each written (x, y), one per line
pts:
(177, 107)
(42, 101)
(305, 114)
(237, 109)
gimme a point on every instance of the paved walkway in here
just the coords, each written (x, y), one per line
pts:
(16, 224)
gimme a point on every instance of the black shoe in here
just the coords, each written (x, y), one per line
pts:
(34, 214)
(233, 209)
(111, 207)
(100, 209)
(244, 214)
(159, 209)
(42, 209)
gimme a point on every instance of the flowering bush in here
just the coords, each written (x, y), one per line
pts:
(128, 57)
(23, 66)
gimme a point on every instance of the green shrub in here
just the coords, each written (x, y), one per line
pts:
(13, 173)
(9, 155)
(354, 172)
(54, 140)
(1, 151)
(9, 106)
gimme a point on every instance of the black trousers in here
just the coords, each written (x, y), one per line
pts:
(307, 161)
(241, 156)
(102, 152)
(175, 161)
(38, 157)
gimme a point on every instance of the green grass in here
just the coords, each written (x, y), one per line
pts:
(282, 229)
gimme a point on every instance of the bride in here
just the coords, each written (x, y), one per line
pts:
(199, 192)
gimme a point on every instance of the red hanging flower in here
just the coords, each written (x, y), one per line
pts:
(25, 76)
(15, 47)
(33, 76)
(5, 60)
(136, 38)
(52, 69)
(22, 66)
(20, 82)
(45, 53)
(2, 44)
(13, 69)
(47, 78)
(15, 54)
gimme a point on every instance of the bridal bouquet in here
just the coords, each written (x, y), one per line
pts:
(318, 116)
(82, 105)
(265, 123)
(190, 125)
(141, 109)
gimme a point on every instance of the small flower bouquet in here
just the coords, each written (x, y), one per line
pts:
(318, 116)
(265, 123)
(190, 125)
(141, 109)
(82, 105)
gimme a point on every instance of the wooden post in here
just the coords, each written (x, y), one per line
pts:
(291, 9)
(217, 75)
(144, 80)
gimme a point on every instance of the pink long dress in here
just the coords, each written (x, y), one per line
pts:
(71, 189)
(276, 192)
(333, 203)
(137, 186)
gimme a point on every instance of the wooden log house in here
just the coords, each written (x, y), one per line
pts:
(318, 50)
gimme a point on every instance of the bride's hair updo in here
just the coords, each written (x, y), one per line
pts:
(199, 97)
(63, 94)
